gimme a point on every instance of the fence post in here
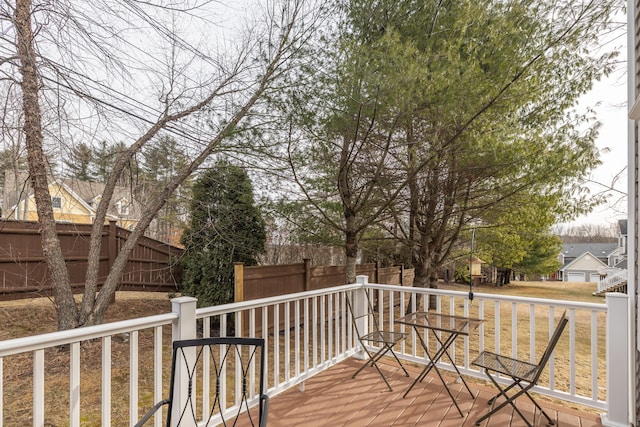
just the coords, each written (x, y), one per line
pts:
(112, 251)
(238, 282)
(307, 274)
(618, 369)
(377, 273)
(360, 309)
(183, 328)
(111, 245)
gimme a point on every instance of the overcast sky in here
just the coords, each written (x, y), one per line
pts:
(609, 99)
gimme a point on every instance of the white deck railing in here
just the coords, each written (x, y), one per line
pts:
(612, 281)
(305, 333)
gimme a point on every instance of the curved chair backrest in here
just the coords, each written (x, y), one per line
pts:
(220, 363)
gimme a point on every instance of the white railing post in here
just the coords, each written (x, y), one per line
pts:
(360, 309)
(184, 328)
(618, 368)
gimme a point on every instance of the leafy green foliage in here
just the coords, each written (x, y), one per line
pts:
(225, 228)
(485, 91)
(421, 117)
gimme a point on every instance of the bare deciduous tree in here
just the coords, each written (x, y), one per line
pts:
(91, 60)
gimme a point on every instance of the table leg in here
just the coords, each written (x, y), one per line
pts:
(432, 364)
(445, 346)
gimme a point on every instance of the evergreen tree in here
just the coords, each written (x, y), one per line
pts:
(80, 162)
(160, 163)
(225, 227)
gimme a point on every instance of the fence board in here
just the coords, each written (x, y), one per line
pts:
(23, 271)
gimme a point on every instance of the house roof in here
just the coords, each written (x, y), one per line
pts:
(622, 264)
(84, 191)
(586, 260)
(600, 250)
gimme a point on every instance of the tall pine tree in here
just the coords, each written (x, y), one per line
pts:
(225, 227)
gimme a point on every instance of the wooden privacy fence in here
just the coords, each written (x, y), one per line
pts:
(23, 270)
(268, 281)
(274, 280)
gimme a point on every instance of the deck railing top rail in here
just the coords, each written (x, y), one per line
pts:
(61, 338)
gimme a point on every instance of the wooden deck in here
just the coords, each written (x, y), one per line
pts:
(333, 398)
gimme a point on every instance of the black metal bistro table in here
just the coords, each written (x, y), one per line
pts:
(452, 326)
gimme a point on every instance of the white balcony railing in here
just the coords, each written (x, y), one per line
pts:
(612, 281)
(305, 333)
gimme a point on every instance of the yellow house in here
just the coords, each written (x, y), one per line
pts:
(73, 201)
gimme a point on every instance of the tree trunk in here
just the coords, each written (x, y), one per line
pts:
(66, 309)
(351, 252)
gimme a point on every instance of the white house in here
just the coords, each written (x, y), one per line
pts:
(585, 262)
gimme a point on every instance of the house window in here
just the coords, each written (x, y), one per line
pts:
(122, 206)
(56, 202)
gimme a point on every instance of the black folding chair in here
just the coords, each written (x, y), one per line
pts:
(524, 375)
(215, 360)
(378, 337)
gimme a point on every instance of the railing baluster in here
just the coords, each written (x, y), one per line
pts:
(314, 320)
(276, 345)
(532, 333)
(481, 329)
(497, 329)
(38, 388)
(106, 381)
(594, 356)
(322, 328)
(572, 352)
(252, 371)
(330, 326)
(403, 346)
(133, 376)
(514, 330)
(74, 383)
(336, 325)
(306, 341)
(465, 355)
(157, 371)
(265, 335)
(296, 331)
(287, 341)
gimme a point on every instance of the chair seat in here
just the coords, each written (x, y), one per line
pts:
(384, 337)
(506, 365)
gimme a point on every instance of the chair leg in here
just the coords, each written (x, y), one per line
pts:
(550, 421)
(519, 384)
(508, 401)
(406, 374)
(516, 383)
(372, 360)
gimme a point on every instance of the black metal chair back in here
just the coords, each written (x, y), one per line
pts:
(216, 364)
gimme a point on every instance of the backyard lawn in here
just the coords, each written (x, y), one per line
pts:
(571, 291)
(37, 316)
